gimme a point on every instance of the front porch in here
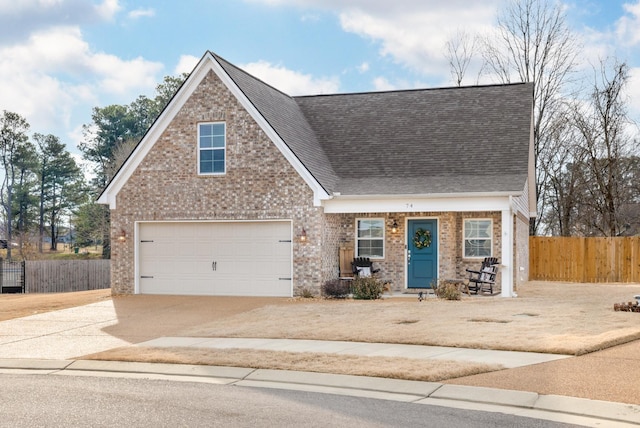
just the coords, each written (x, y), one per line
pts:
(459, 241)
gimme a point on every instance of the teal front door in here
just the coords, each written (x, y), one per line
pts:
(422, 255)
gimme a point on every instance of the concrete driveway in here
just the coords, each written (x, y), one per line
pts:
(74, 332)
(62, 334)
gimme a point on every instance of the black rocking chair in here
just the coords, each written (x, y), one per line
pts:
(484, 279)
(363, 266)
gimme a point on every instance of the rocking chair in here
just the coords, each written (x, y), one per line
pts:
(363, 266)
(484, 279)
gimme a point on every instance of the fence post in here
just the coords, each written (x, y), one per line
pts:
(24, 277)
(1, 273)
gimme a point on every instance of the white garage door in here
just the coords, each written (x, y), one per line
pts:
(220, 259)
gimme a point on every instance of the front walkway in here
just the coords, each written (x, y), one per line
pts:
(507, 359)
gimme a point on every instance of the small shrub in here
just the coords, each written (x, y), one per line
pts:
(446, 290)
(306, 293)
(335, 289)
(367, 288)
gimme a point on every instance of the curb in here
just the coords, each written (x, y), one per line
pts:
(529, 404)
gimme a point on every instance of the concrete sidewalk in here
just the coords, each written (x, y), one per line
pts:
(569, 410)
(506, 359)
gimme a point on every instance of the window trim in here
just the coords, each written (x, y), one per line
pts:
(464, 239)
(382, 238)
(200, 149)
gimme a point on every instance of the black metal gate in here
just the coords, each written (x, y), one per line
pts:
(11, 276)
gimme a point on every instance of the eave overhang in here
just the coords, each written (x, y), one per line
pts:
(440, 202)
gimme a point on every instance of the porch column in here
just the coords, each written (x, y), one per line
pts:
(507, 254)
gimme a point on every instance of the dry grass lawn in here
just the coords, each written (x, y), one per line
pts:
(547, 317)
(396, 368)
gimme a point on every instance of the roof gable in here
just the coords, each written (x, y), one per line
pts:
(262, 95)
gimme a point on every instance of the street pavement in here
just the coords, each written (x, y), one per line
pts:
(49, 343)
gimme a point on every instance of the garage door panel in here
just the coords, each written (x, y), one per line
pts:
(200, 258)
(263, 269)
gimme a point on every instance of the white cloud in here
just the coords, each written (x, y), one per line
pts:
(382, 84)
(310, 17)
(415, 37)
(117, 76)
(291, 82)
(19, 19)
(62, 51)
(411, 32)
(107, 9)
(186, 64)
(53, 72)
(628, 26)
(141, 13)
(633, 88)
(364, 67)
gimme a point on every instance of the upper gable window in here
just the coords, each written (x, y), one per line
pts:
(212, 147)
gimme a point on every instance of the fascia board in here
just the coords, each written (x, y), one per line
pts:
(531, 181)
(208, 62)
(417, 203)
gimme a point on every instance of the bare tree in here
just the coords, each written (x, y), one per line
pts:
(534, 44)
(119, 155)
(608, 150)
(564, 188)
(459, 51)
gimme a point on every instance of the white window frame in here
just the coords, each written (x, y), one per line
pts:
(212, 149)
(464, 238)
(358, 239)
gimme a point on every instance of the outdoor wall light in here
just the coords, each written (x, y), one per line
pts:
(303, 235)
(394, 227)
(122, 236)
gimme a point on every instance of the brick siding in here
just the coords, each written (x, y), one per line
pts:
(259, 184)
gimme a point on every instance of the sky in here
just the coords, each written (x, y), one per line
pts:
(61, 58)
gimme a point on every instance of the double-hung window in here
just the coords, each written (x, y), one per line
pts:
(212, 147)
(370, 238)
(478, 238)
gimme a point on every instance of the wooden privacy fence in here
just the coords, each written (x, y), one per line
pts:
(57, 276)
(577, 259)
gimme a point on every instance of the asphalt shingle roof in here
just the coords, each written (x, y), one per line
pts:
(450, 140)
(284, 115)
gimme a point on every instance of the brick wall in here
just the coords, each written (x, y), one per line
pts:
(392, 267)
(259, 184)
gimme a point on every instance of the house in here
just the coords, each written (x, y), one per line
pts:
(240, 189)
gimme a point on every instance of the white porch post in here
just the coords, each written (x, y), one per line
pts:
(507, 254)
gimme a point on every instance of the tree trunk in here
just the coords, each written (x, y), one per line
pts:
(9, 220)
(41, 217)
(54, 237)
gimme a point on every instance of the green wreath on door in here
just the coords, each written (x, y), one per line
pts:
(422, 239)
